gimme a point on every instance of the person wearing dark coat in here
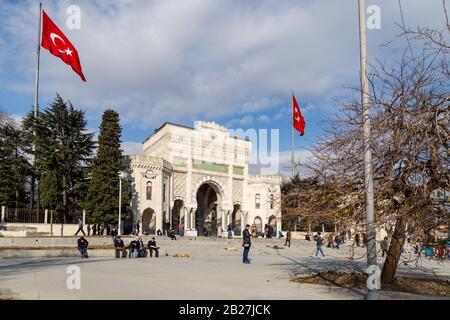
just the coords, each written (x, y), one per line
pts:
(83, 244)
(114, 234)
(288, 238)
(94, 230)
(153, 247)
(119, 247)
(140, 247)
(246, 244)
(132, 247)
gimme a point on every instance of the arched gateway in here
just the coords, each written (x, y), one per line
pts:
(197, 180)
(207, 217)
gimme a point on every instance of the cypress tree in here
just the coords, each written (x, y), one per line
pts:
(103, 196)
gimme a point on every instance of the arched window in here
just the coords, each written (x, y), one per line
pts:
(257, 201)
(149, 190)
(271, 201)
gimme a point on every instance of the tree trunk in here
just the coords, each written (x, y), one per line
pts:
(64, 204)
(395, 251)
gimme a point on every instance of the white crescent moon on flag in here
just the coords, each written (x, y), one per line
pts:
(53, 36)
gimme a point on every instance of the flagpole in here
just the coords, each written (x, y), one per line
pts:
(292, 125)
(372, 294)
(36, 97)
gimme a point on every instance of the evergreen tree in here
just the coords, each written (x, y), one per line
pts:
(63, 151)
(14, 165)
(103, 197)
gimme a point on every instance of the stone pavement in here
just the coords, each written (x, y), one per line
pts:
(198, 277)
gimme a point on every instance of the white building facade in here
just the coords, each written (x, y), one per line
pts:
(198, 178)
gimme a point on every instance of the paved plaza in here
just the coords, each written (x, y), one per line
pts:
(197, 277)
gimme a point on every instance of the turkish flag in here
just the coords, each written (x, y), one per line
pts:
(57, 43)
(298, 120)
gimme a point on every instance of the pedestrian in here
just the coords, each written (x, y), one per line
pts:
(89, 230)
(94, 229)
(82, 247)
(288, 238)
(246, 244)
(319, 242)
(428, 251)
(114, 234)
(364, 239)
(440, 250)
(119, 246)
(108, 229)
(80, 227)
(330, 241)
(357, 239)
(153, 247)
(230, 231)
(337, 241)
(384, 246)
(138, 228)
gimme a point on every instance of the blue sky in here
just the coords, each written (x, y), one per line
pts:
(232, 62)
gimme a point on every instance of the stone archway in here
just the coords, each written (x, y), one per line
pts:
(273, 224)
(207, 217)
(177, 218)
(149, 221)
(236, 219)
(258, 224)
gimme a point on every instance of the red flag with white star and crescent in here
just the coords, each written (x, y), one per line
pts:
(298, 120)
(57, 43)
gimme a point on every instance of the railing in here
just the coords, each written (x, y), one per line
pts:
(27, 215)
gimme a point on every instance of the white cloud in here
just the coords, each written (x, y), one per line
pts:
(132, 147)
(158, 61)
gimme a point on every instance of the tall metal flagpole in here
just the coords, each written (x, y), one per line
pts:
(368, 181)
(36, 98)
(292, 125)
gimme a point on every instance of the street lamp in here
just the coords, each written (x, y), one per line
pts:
(121, 176)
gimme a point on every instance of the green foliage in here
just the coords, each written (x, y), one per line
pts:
(14, 165)
(103, 196)
(63, 153)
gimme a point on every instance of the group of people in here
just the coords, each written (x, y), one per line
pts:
(97, 229)
(136, 248)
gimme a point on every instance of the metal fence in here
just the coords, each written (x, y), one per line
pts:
(27, 215)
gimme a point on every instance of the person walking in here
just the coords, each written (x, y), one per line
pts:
(89, 230)
(94, 229)
(138, 228)
(230, 231)
(319, 242)
(288, 238)
(246, 244)
(357, 239)
(83, 244)
(114, 234)
(153, 247)
(384, 246)
(80, 227)
(119, 247)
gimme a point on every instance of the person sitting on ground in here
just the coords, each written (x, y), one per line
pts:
(307, 237)
(153, 247)
(159, 233)
(132, 247)
(172, 234)
(82, 247)
(119, 247)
